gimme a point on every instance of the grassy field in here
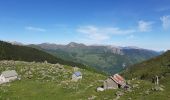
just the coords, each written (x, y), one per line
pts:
(40, 81)
(44, 81)
(147, 70)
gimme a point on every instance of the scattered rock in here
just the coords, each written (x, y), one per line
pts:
(128, 82)
(117, 98)
(129, 90)
(161, 89)
(135, 85)
(92, 97)
(162, 86)
(100, 80)
(100, 89)
(133, 79)
(147, 92)
(119, 93)
(157, 88)
(138, 82)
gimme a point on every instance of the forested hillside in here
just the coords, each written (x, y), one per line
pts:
(159, 66)
(110, 59)
(23, 53)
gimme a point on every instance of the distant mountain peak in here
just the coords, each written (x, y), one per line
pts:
(115, 49)
(131, 47)
(74, 44)
(15, 43)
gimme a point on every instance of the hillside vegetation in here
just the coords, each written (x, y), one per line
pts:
(53, 81)
(148, 69)
(146, 72)
(45, 81)
(23, 53)
(105, 58)
(49, 82)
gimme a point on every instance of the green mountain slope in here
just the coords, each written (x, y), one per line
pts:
(143, 74)
(44, 81)
(53, 81)
(105, 58)
(23, 53)
(148, 69)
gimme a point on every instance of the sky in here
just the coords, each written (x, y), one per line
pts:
(141, 23)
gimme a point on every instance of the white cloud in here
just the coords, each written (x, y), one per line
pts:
(165, 22)
(99, 34)
(144, 26)
(30, 28)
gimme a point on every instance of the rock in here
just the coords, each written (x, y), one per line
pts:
(119, 93)
(117, 98)
(133, 79)
(92, 97)
(100, 89)
(128, 82)
(29, 72)
(129, 90)
(135, 85)
(130, 98)
(147, 92)
(45, 62)
(162, 86)
(100, 80)
(157, 88)
(161, 89)
(138, 82)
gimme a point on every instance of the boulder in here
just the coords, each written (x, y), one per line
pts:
(128, 82)
(119, 93)
(92, 97)
(147, 92)
(157, 88)
(100, 89)
(135, 85)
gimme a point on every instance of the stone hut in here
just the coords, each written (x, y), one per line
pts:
(8, 76)
(76, 76)
(114, 82)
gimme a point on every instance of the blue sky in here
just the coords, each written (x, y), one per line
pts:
(142, 23)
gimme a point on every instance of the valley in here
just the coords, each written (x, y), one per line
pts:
(110, 59)
(84, 50)
(48, 81)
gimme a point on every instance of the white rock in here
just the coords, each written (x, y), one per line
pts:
(100, 89)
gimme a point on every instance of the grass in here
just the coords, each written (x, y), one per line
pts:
(56, 86)
(34, 90)
(53, 82)
(147, 70)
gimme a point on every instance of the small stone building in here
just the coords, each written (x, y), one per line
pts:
(76, 76)
(114, 82)
(8, 76)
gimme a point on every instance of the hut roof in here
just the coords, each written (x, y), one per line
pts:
(78, 73)
(118, 79)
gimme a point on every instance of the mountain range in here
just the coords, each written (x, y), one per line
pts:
(107, 58)
(18, 52)
(40, 79)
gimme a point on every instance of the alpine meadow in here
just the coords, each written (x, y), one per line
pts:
(84, 50)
